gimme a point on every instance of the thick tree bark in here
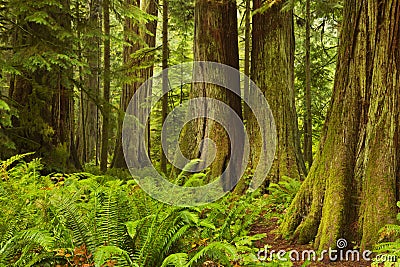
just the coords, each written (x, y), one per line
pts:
(272, 69)
(216, 40)
(137, 72)
(351, 191)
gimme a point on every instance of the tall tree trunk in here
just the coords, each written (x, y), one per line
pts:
(272, 69)
(243, 183)
(106, 87)
(247, 43)
(45, 99)
(216, 40)
(87, 126)
(165, 57)
(66, 127)
(139, 69)
(308, 155)
(351, 190)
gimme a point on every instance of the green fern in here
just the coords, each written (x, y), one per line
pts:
(177, 260)
(114, 221)
(23, 243)
(7, 163)
(221, 251)
(65, 206)
(111, 217)
(285, 191)
(113, 255)
(391, 231)
(94, 214)
(180, 179)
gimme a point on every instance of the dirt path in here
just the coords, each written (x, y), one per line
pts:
(276, 243)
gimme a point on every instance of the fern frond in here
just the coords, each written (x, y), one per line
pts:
(113, 255)
(388, 247)
(285, 190)
(189, 217)
(174, 238)
(132, 226)
(220, 251)
(42, 238)
(110, 219)
(26, 240)
(188, 167)
(225, 228)
(390, 230)
(148, 246)
(67, 208)
(8, 162)
(177, 260)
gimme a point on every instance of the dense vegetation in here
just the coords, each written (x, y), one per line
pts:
(84, 219)
(69, 68)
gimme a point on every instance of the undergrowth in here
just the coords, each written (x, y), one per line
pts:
(86, 219)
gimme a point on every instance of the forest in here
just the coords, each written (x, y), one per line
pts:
(154, 133)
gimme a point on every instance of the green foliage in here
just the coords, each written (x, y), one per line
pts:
(112, 255)
(5, 122)
(390, 242)
(325, 21)
(82, 218)
(284, 191)
(177, 259)
(23, 239)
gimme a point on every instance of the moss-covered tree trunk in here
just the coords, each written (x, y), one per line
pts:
(351, 191)
(138, 69)
(216, 40)
(272, 69)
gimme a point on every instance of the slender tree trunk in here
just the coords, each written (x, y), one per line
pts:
(128, 88)
(351, 189)
(87, 126)
(81, 136)
(165, 57)
(93, 84)
(64, 101)
(106, 92)
(247, 43)
(136, 71)
(243, 183)
(308, 155)
(272, 69)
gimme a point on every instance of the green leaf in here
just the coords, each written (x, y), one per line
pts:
(177, 260)
(4, 105)
(40, 17)
(103, 254)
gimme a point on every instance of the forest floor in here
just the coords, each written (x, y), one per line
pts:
(275, 242)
